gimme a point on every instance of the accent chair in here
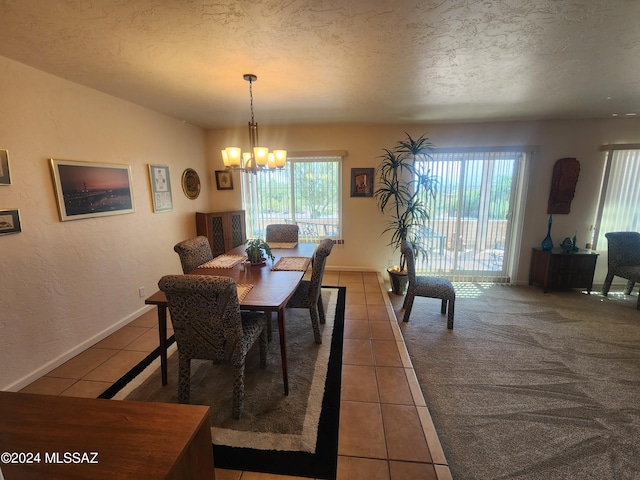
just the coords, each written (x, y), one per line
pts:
(309, 292)
(623, 260)
(193, 252)
(208, 325)
(284, 233)
(424, 286)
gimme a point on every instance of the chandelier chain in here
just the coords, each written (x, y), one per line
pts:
(251, 99)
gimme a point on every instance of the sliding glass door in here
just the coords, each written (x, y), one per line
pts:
(470, 234)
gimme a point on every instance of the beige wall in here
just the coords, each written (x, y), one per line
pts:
(365, 247)
(66, 285)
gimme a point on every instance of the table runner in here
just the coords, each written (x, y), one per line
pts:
(224, 261)
(283, 244)
(292, 263)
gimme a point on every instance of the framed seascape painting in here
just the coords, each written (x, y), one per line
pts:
(160, 188)
(5, 178)
(9, 222)
(87, 189)
(362, 182)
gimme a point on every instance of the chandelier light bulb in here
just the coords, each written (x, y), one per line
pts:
(280, 158)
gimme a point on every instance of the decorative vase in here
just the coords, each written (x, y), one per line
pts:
(547, 243)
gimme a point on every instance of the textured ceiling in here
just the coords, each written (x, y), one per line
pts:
(380, 61)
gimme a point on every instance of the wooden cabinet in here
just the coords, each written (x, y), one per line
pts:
(225, 230)
(556, 270)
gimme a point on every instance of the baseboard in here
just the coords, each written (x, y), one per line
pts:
(69, 354)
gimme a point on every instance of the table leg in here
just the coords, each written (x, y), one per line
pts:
(283, 350)
(162, 331)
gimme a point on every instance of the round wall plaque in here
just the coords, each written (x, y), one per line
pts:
(191, 183)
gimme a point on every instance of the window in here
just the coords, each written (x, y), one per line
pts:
(471, 234)
(307, 192)
(620, 193)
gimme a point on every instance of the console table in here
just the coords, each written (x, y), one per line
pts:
(54, 437)
(556, 270)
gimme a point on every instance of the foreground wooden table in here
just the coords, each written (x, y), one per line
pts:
(270, 293)
(49, 437)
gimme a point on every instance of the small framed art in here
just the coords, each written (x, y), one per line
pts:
(88, 189)
(224, 181)
(160, 188)
(362, 182)
(9, 222)
(5, 178)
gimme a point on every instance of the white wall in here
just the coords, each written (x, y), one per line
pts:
(365, 247)
(66, 285)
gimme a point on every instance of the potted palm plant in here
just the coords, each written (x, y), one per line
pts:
(402, 191)
(257, 251)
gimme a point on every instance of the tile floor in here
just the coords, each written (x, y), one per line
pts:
(386, 432)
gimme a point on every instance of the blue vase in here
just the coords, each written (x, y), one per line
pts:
(547, 243)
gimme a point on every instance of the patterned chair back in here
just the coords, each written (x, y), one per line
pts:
(205, 315)
(319, 260)
(193, 253)
(407, 250)
(285, 233)
(623, 248)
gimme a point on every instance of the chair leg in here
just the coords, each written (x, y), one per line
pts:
(184, 378)
(452, 307)
(443, 307)
(238, 390)
(313, 311)
(264, 341)
(630, 284)
(323, 318)
(408, 305)
(607, 284)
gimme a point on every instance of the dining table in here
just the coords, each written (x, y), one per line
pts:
(266, 287)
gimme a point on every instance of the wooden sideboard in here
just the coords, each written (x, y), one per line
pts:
(557, 270)
(79, 438)
(225, 230)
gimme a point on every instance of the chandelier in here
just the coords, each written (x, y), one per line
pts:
(258, 158)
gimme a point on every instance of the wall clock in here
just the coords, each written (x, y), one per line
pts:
(191, 183)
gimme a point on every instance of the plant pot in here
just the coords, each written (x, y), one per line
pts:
(399, 281)
(263, 261)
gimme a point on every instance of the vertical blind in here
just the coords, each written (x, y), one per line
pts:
(618, 208)
(470, 236)
(306, 192)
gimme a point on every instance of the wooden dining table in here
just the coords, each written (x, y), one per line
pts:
(270, 291)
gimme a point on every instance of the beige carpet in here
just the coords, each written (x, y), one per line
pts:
(271, 420)
(531, 385)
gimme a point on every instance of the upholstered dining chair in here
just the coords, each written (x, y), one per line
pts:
(208, 325)
(423, 286)
(623, 260)
(193, 252)
(309, 292)
(285, 233)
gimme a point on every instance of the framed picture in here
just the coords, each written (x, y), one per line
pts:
(224, 181)
(9, 222)
(5, 178)
(362, 182)
(87, 189)
(160, 188)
